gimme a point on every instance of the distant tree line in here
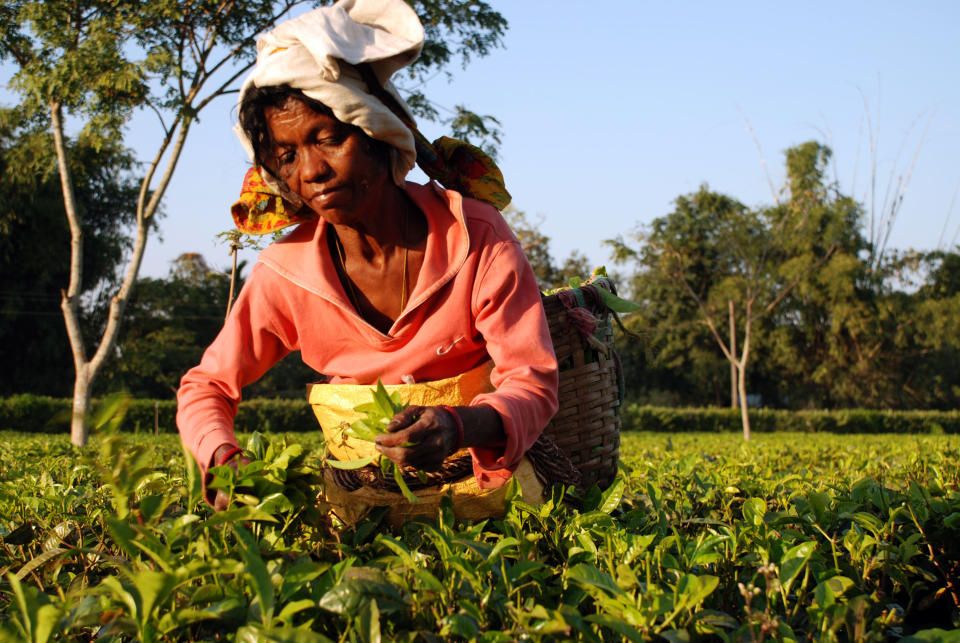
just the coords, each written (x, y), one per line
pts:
(831, 323)
(836, 322)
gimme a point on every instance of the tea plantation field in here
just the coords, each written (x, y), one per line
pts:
(702, 537)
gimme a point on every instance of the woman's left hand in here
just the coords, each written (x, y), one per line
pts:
(420, 436)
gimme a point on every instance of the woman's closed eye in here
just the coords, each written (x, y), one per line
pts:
(331, 141)
(286, 157)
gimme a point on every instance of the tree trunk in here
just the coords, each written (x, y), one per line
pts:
(70, 298)
(742, 388)
(81, 403)
(742, 368)
(733, 351)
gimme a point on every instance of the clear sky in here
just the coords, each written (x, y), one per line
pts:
(611, 110)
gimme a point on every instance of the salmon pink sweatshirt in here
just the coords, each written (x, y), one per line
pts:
(476, 299)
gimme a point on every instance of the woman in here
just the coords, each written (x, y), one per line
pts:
(381, 278)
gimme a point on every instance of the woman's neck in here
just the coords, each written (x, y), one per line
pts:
(379, 265)
(379, 234)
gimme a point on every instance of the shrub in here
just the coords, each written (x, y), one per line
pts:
(716, 419)
(40, 414)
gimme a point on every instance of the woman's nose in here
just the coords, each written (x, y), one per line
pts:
(313, 165)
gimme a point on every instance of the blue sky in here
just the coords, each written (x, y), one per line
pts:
(611, 110)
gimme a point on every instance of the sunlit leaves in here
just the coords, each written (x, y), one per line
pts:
(693, 541)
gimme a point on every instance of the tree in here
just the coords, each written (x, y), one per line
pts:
(734, 265)
(825, 342)
(454, 29)
(33, 233)
(922, 333)
(678, 362)
(99, 61)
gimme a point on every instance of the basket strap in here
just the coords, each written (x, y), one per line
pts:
(453, 469)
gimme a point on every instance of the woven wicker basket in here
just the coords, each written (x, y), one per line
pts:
(587, 424)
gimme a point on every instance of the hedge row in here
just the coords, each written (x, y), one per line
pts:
(39, 414)
(715, 419)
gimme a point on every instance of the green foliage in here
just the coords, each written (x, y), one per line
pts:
(33, 413)
(690, 246)
(72, 54)
(454, 29)
(821, 338)
(920, 338)
(275, 415)
(637, 417)
(787, 538)
(40, 414)
(848, 327)
(169, 324)
(378, 414)
(805, 307)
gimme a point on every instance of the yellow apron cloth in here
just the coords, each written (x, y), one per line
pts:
(333, 405)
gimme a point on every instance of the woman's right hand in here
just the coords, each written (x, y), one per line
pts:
(420, 436)
(221, 501)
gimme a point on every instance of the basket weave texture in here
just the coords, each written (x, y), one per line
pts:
(587, 424)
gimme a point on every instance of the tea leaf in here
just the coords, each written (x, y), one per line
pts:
(612, 496)
(793, 561)
(257, 572)
(350, 464)
(754, 510)
(620, 627)
(404, 489)
(617, 304)
(588, 576)
(370, 623)
(39, 560)
(365, 430)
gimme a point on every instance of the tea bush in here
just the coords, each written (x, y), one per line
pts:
(701, 536)
(716, 419)
(38, 414)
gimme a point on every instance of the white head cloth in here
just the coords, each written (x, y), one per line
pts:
(306, 53)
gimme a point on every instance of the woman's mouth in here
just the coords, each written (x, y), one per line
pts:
(327, 195)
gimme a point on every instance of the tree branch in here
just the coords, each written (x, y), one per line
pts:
(783, 293)
(679, 278)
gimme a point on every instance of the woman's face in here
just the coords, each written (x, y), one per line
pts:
(330, 165)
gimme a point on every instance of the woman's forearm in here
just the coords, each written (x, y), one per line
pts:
(482, 426)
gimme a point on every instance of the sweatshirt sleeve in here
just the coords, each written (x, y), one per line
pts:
(246, 347)
(510, 315)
